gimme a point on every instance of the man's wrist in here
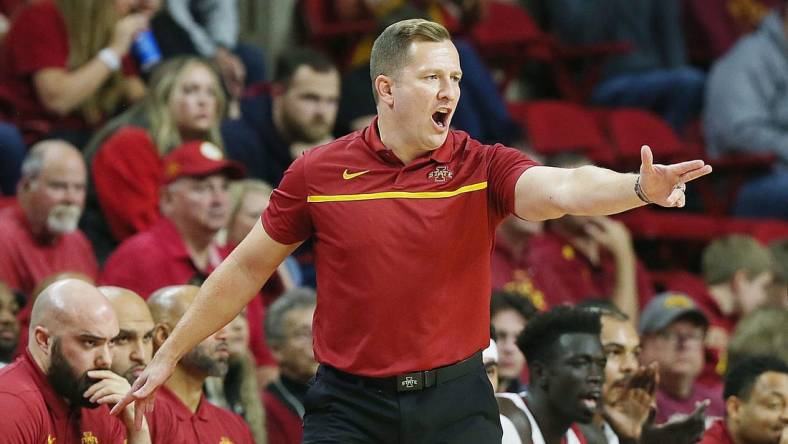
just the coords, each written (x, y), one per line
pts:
(639, 192)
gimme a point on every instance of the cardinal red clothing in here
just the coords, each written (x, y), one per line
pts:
(511, 271)
(157, 257)
(668, 406)
(282, 399)
(403, 251)
(717, 434)
(36, 40)
(25, 262)
(31, 411)
(172, 422)
(126, 172)
(566, 276)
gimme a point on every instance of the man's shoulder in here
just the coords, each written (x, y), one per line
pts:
(17, 388)
(227, 420)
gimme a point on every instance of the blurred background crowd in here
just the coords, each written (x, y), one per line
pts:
(140, 141)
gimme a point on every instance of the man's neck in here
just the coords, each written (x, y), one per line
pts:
(551, 424)
(514, 239)
(677, 386)
(187, 387)
(198, 244)
(391, 136)
(723, 296)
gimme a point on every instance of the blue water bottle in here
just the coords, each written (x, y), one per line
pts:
(146, 50)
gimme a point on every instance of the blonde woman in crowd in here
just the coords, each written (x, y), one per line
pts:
(63, 64)
(185, 102)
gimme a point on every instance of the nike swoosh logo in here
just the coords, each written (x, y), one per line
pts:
(348, 176)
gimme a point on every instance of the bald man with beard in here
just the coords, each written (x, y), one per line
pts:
(134, 343)
(59, 390)
(181, 413)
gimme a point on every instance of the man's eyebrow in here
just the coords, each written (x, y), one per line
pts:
(91, 336)
(125, 333)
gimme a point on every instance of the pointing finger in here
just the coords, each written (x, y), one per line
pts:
(694, 174)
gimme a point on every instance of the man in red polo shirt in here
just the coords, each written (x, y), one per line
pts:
(404, 214)
(57, 392)
(756, 404)
(182, 414)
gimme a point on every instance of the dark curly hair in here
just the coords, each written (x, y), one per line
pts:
(543, 330)
(741, 378)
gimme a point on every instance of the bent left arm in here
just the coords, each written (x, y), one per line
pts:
(547, 193)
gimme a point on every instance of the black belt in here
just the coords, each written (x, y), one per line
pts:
(409, 382)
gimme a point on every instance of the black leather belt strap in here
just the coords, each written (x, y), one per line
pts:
(414, 381)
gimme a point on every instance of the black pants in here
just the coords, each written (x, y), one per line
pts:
(460, 411)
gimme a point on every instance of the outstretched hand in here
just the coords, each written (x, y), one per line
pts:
(665, 185)
(143, 391)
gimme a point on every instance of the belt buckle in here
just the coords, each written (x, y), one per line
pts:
(410, 382)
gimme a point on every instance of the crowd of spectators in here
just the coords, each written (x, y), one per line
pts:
(123, 186)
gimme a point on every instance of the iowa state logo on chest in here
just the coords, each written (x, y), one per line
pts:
(440, 174)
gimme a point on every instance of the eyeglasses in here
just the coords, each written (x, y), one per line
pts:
(675, 338)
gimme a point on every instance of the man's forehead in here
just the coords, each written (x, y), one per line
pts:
(433, 55)
(772, 382)
(305, 77)
(571, 344)
(615, 331)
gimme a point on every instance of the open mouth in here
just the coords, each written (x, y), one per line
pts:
(440, 118)
(591, 400)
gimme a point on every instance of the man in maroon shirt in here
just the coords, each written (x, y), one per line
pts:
(182, 414)
(134, 343)
(404, 214)
(756, 404)
(58, 391)
(39, 236)
(672, 329)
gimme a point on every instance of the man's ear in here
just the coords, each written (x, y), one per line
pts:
(733, 407)
(43, 339)
(738, 280)
(160, 334)
(383, 86)
(538, 373)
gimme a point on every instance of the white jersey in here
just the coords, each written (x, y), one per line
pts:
(536, 433)
(510, 435)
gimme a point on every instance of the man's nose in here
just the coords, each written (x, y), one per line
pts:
(138, 352)
(104, 358)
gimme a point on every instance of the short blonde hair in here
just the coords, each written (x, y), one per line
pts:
(390, 50)
(239, 189)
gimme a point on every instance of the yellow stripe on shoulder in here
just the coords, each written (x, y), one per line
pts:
(399, 194)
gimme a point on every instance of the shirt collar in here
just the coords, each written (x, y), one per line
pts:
(181, 411)
(55, 403)
(371, 136)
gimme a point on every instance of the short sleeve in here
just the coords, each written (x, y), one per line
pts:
(505, 167)
(287, 218)
(38, 39)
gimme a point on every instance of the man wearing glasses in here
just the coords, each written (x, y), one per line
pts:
(672, 330)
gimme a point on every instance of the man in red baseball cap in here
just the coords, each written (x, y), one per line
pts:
(180, 247)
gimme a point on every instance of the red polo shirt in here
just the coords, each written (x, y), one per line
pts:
(402, 251)
(172, 422)
(566, 276)
(717, 434)
(511, 272)
(25, 262)
(157, 257)
(31, 411)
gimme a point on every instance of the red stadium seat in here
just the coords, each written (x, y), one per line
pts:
(631, 128)
(508, 37)
(555, 126)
